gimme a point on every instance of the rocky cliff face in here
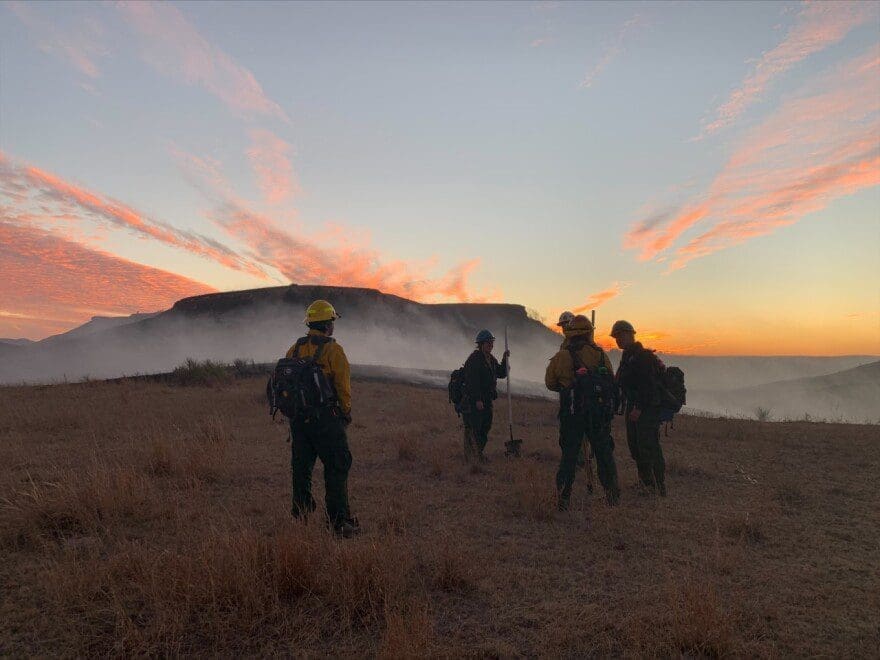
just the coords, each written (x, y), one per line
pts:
(260, 325)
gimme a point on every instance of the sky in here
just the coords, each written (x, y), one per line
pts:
(707, 171)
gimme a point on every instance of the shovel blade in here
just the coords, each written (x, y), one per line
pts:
(512, 448)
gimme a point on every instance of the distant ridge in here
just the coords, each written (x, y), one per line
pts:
(853, 395)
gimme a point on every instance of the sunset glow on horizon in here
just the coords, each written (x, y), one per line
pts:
(709, 172)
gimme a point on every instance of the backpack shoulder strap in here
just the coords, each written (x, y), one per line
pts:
(576, 361)
(320, 342)
(296, 346)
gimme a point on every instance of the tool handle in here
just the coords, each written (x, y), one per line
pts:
(509, 399)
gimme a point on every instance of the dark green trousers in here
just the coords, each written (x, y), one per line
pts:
(643, 438)
(325, 439)
(573, 430)
(477, 424)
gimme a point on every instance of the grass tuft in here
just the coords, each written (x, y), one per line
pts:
(205, 373)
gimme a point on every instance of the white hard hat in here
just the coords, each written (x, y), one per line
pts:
(564, 319)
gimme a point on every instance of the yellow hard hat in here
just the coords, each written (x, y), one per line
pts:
(320, 310)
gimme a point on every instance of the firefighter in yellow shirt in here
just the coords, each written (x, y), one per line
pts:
(322, 434)
(581, 373)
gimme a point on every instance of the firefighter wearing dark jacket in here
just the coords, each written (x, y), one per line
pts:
(637, 377)
(581, 354)
(324, 436)
(481, 373)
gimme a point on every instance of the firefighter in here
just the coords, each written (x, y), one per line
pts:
(322, 434)
(481, 373)
(583, 412)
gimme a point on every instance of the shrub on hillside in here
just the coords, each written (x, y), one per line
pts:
(195, 372)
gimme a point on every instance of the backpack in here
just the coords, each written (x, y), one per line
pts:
(673, 393)
(298, 387)
(593, 392)
(456, 388)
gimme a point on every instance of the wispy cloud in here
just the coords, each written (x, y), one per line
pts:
(596, 300)
(335, 257)
(171, 44)
(817, 26)
(35, 193)
(616, 48)
(81, 48)
(816, 147)
(269, 158)
(51, 283)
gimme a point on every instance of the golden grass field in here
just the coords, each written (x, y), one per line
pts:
(141, 518)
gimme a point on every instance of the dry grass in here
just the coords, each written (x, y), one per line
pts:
(141, 518)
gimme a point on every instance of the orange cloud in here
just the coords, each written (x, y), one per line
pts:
(339, 256)
(172, 45)
(50, 283)
(304, 261)
(269, 159)
(23, 185)
(783, 207)
(817, 26)
(818, 146)
(598, 299)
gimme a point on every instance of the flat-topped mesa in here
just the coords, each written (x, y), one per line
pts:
(293, 294)
(351, 302)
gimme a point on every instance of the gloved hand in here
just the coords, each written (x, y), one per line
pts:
(582, 371)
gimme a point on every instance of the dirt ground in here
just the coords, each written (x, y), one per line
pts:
(144, 518)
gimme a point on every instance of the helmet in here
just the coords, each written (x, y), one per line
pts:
(320, 310)
(620, 327)
(484, 336)
(564, 319)
(580, 322)
(579, 325)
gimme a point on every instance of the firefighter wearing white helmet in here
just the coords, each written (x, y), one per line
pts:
(322, 433)
(564, 319)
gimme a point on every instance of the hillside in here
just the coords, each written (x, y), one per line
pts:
(261, 324)
(853, 395)
(15, 342)
(139, 518)
(97, 324)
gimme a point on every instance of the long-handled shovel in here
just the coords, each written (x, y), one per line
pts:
(511, 447)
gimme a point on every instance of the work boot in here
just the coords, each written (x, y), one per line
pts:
(563, 503)
(484, 458)
(347, 528)
(661, 489)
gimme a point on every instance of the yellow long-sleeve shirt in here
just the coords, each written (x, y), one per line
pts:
(334, 364)
(560, 371)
